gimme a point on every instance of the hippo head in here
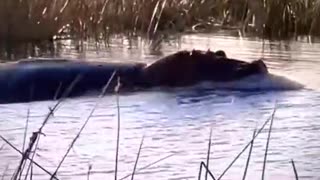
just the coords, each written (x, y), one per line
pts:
(208, 55)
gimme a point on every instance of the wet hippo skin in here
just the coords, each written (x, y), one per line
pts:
(34, 81)
(186, 68)
(38, 79)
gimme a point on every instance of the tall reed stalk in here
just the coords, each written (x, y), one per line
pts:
(33, 20)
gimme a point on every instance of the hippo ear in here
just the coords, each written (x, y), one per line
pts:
(261, 65)
(192, 52)
(221, 53)
(209, 52)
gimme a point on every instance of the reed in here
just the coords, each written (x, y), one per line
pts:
(89, 171)
(35, 138)
(249, 156)
(26, 130)
(267, 148)
(117, 88)
(137, 159)
(148, 165)
(209, 152)
(243, 150)
(25, 137)
(206, 166)
(202, 164)
(103, 92)
(22, 154)
(294, 170)
(18, 174)
(34, 20)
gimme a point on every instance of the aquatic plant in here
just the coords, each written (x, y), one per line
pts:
(34, 20)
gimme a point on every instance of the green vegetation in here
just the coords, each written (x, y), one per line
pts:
(34, 20)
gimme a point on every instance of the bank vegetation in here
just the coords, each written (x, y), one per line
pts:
(34, 20)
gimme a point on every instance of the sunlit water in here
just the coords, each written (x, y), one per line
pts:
(177, 122)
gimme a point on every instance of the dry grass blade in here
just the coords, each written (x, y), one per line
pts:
(200, 171)
(208, 154)
(249, 156)
(64, 95)
(202, 164)
(153, 16)
(26, 130)
(295, 170)
(242, 151)
(85, 124)
(25, 138)
(57, 91)
(149, 165)
(30, 167)
(267, 147)
(64, 6)
(36, 135)
(35, 163)
(159, 17)
(118, 130)
(89, 172)
(31, 172)
(26, 155)
(137, 159)
(103, 10)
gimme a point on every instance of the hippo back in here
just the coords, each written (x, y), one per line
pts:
(26, 81)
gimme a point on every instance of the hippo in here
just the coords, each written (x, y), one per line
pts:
(47, 79)
(186, 68)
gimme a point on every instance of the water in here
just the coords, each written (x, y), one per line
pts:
(177, 121)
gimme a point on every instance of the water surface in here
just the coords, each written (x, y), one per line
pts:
(178, 121)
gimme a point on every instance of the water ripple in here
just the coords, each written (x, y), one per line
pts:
(179, 121)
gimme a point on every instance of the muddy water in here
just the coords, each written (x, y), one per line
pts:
(177, 122)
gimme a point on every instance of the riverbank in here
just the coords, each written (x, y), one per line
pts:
(98, 19)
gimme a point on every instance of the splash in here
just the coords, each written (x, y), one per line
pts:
(256, 82)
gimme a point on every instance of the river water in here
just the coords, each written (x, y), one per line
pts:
(177, 122)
